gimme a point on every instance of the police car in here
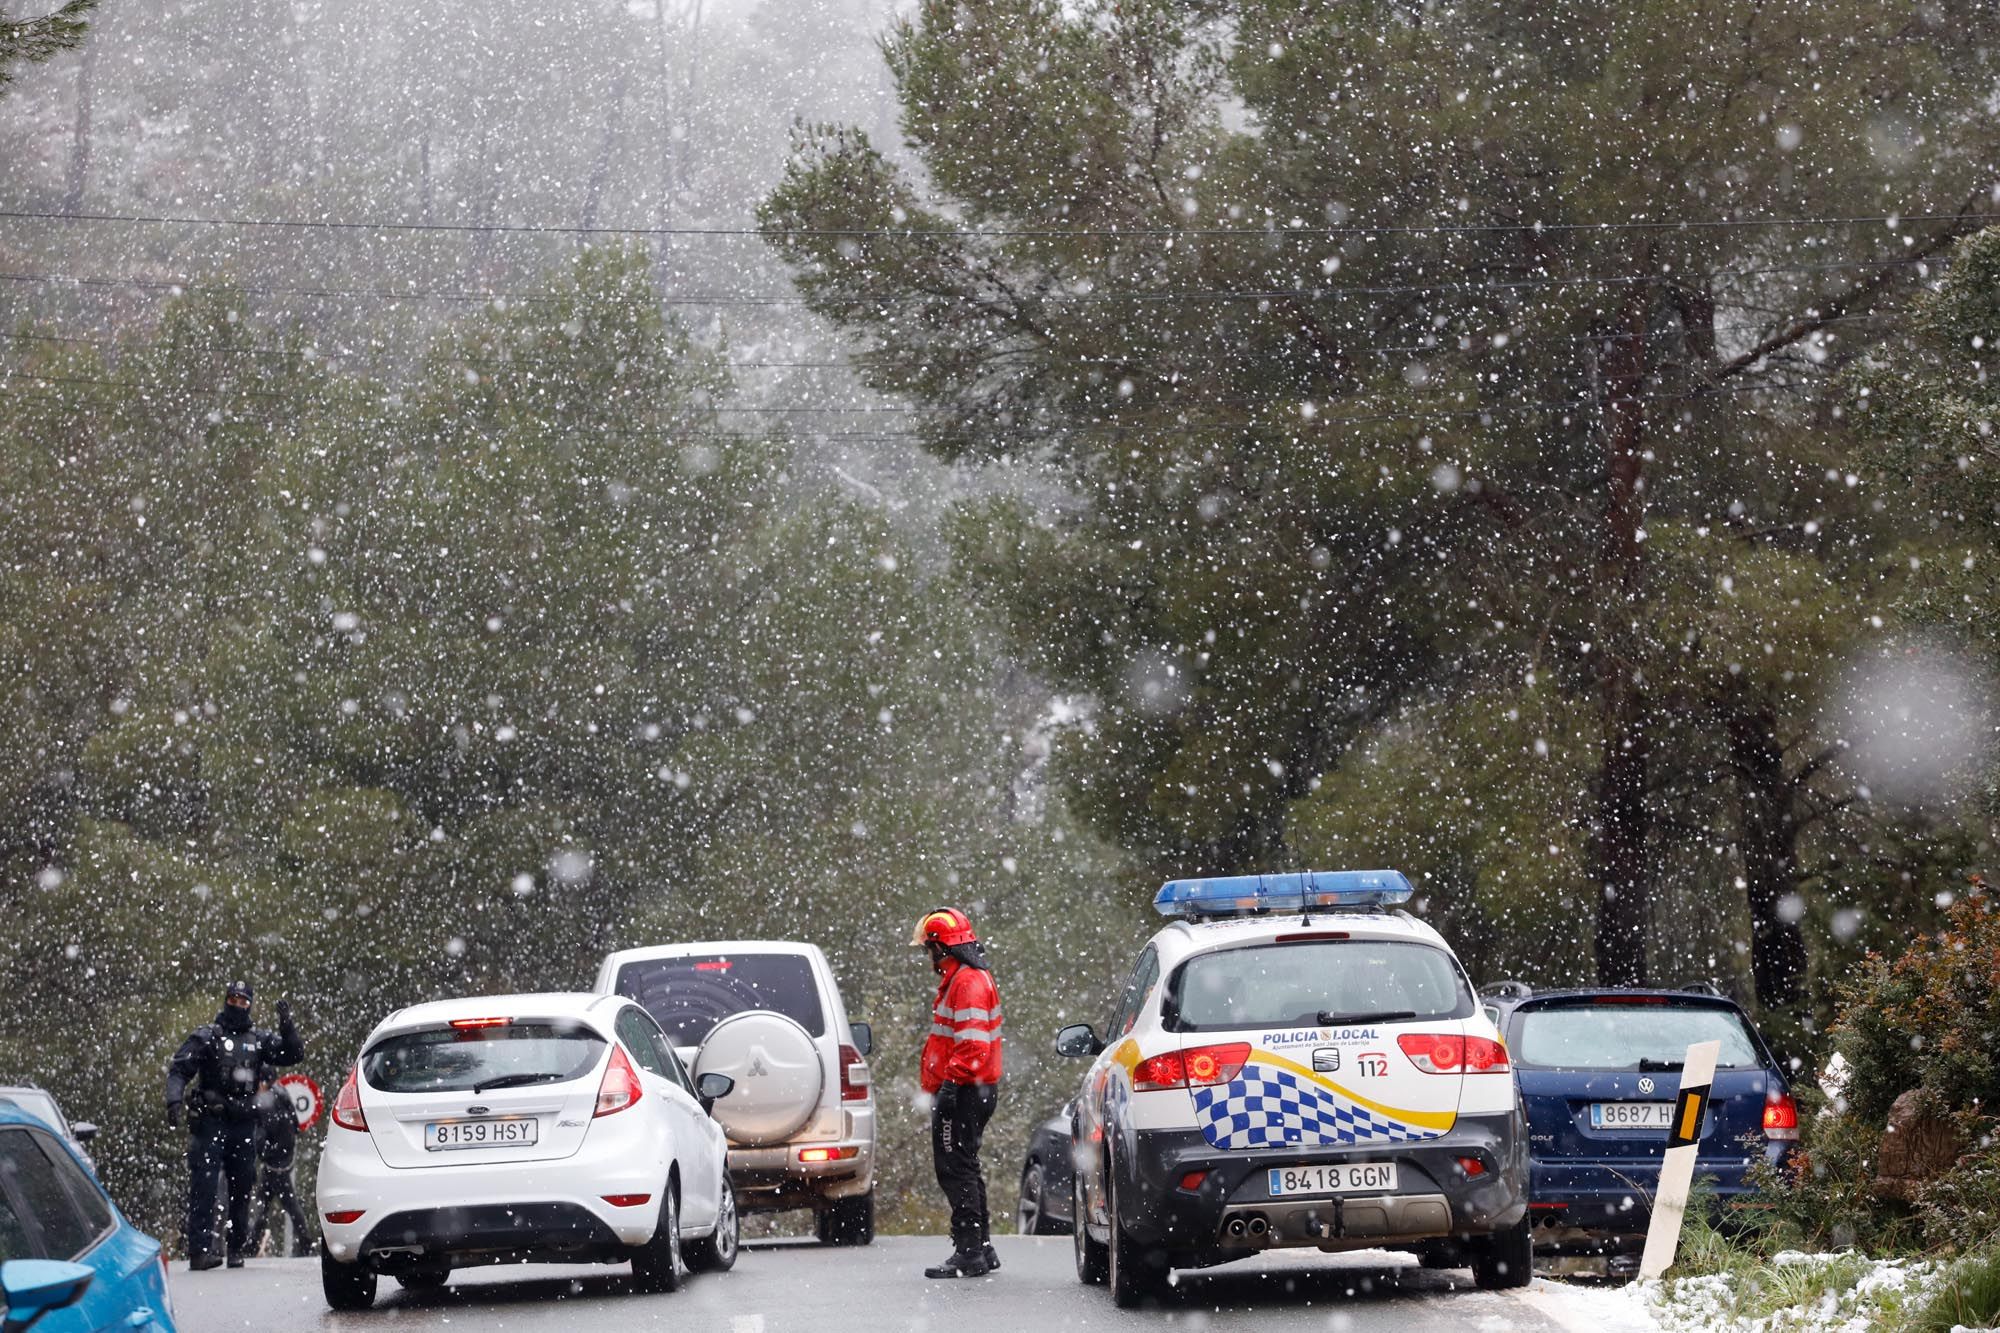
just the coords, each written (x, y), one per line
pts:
(1294, 1064)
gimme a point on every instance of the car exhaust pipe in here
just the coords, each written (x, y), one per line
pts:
(1236, 1228)
(1258, 1228)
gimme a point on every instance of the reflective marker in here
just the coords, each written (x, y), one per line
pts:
(1663, 1236)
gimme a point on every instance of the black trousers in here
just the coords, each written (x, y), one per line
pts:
(220, 1145)
(278, 1189)
(955, 1140)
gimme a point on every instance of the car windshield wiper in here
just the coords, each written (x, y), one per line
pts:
(1328, 1018)
(511, 1081)
(1647, 1063)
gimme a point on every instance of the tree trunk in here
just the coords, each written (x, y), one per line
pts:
(1767, 841)
(77, 179)
(600, 171)
(1619, 850)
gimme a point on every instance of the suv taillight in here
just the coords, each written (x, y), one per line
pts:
(619, 1087)
(1781, 1117)
(1196, 1067)
(1449, 1053)
(347, 1111)
(853, 1075)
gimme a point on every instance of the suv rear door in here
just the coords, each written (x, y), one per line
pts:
(1622, 1053)
(1318, 1038)
(487, 1078)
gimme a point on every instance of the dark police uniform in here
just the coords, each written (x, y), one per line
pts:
(220, 1060)
(277, 1141)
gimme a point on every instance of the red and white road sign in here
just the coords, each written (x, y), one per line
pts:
(306, 1101)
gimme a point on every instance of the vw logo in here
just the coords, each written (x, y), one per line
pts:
(1645, 1085)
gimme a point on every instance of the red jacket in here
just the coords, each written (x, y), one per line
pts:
(964, 1045)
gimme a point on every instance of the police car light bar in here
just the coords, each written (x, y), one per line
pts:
(1292, 891)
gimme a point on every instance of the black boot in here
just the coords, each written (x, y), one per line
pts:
(200, 1263)
(992, 1257)
(963, 1263)
(236, 1258)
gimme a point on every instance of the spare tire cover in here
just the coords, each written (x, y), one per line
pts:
(777, 1072)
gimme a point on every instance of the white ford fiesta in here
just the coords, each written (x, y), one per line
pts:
(522, 1128)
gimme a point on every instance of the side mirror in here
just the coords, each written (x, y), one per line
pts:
(864, 1037)
(33, 1287)
(1078, 1041)
(712, 1088)
(83, 1131)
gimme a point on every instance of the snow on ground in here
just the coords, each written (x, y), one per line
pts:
(1853, 1303)
(1591, 1307)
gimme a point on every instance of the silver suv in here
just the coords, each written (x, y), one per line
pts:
(801, 1121)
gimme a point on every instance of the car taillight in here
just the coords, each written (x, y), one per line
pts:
(347, 1111)
(345, 1216)
(1449, 1053)
(853, 1075)
(620, 1086)
(1197, 1067)
(1781, 1117)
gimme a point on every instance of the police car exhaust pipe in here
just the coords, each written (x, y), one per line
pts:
(1236, 1228)
(1258, 1227)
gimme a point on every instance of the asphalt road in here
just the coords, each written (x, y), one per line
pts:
(796, 1287)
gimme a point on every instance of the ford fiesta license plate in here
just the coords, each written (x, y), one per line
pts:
(1632, 1115)
(1347, 1178)
(501, 1132)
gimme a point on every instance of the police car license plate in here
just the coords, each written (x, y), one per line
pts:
(1632, 1115)
(1346, 1178)
(510, 1131)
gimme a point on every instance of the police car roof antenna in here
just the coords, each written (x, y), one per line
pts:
(1305, 898)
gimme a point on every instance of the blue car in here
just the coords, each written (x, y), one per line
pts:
(69, 1261)
(1598, 1072)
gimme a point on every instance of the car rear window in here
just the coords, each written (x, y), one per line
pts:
(473, 1059)
(1621, 1036)
(689, 996)
(1315, 983)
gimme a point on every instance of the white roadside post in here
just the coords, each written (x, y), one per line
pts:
(1663, 1237)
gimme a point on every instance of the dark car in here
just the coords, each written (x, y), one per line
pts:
(64, 1247)
(1047, 1178)
(1598, 1072)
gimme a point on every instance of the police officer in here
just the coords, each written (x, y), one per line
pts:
(277, 1140)
(961, 1071)
(221, 1060)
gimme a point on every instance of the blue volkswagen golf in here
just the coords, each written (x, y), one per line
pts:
(1598, 1071)
(69, 1261)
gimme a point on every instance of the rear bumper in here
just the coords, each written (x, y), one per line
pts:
(775, 1178)
(1435, 1197)
(1599, 1206)
(549, 1194)
(488, 1233)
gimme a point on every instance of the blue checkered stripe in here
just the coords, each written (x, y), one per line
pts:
(1269, 1107)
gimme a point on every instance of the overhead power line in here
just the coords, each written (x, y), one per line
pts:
(175, 287)
(1258, 233)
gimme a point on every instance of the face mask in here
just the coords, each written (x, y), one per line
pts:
(233, 1019)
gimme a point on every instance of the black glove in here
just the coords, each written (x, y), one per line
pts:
(946, 1098)
(284, 1011)
(173, 1113)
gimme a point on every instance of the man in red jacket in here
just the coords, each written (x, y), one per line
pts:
(961, 1071)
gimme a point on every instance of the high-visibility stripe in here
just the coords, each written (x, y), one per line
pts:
(965, 1015)
(973, 1034)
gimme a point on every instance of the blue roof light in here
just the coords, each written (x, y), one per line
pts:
(1292, 891)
